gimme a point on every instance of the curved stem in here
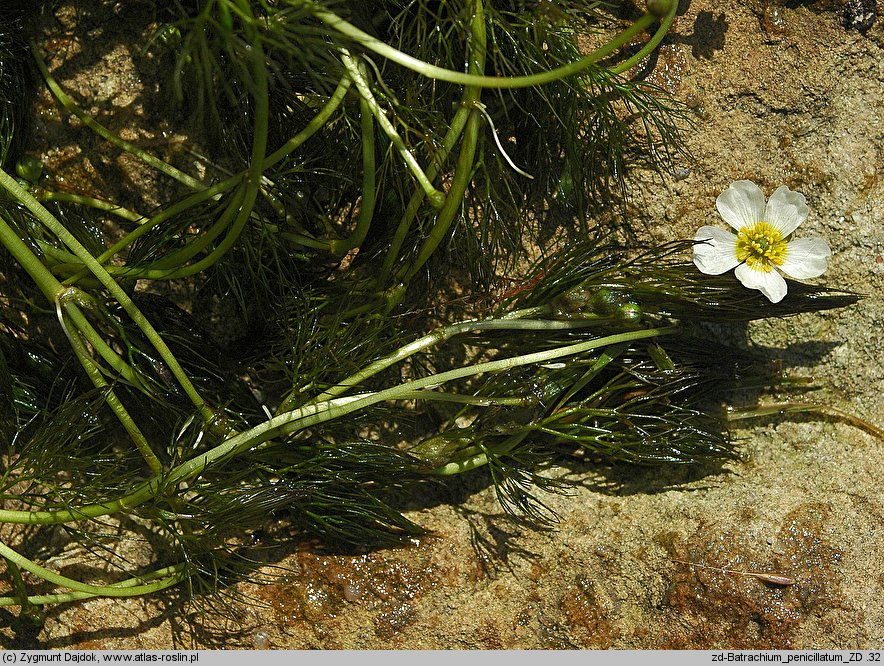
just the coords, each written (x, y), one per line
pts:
(458, 123)
(462, 118)
(92, 202)
(311, 415)
(48, 220)
(463, 171)
(254, 174)
(52, 289)
(169, 266)
(95, 376)
(469, 79)
(114, 590)
(42, 277)
(105, 133)
(473, 460)
(317, 123)
(18, 585)
(369, 194)
(463, 174)
(436, 197)
(253, 179)
(211, 192)
(440, 335)
(665, 24)
(171, 575)
(214, 192)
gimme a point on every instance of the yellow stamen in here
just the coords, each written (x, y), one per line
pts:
(761, 246)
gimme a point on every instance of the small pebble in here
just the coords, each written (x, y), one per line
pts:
(351, 592)
(260, 640)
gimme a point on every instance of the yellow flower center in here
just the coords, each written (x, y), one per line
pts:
(761, 247)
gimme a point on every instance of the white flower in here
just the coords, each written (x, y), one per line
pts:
(762, 243)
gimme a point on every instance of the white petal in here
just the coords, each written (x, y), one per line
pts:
(769, 283)
(718, 254)
(741, 205)
(806, 258)
(786, 210)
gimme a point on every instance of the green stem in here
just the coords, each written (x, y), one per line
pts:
(476, 400)
(470, 79)
(437, 337)
(308, 416)
(52, 289)
(105, 133)
(479, 459)
(242, 203)
(216, 190)
(305, 241)
(48, 220)
(665, 24)
(461, 466)
(113, 590)
(141, 443)
(463, 171)
(463, 174)
(42, 277)
(212, 192)
(255, 172)
(317, 123)
(369, 195)
(458, 123)
(170, 265)
(171, 575)
(436, 197)
(603, 361)
(92, 202)
(18, 584)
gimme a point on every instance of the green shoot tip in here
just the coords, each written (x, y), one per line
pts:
(437, 198)
(660, 8)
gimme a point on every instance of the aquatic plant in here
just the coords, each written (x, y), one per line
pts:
(357, 169)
